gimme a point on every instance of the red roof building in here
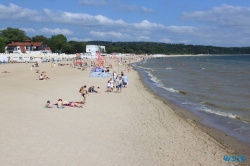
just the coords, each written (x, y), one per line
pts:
(27, 47)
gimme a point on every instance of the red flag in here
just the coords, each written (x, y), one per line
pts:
(99, 58)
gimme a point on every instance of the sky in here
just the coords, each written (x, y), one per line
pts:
(198, 22)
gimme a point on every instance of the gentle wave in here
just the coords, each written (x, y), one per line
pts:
(152, 77)
(145, 68)
(205, 109)
(170, 90)
(220, 113)
(243, 129)
(211, 104)
(169, 68)
(229, 115)
(159, 83)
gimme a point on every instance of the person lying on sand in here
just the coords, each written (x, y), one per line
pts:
(5, 72)
(48, 105)
(45, 77)
(40, 77)
(37, 71)
(74, 104)
(43, 72)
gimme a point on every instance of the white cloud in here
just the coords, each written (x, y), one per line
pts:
(106, 28)
(181, 29)
(93, 2)
(28, 30)
(147, 10)
(145, 24)
(77, 39)
(18, 13)
(165, 40)
(143, 38)
(56, 31)
(223, 15)
(111, 33)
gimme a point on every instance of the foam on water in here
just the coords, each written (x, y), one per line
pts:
(209, 87)
(159, 84)
(171, 90)
(220, 113)
(152, 77)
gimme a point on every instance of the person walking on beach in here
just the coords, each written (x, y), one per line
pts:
(128, 68)
(119, 86)
(108, 86)
(84, 92)
(114, 76)
(124, 80)
(111, 84)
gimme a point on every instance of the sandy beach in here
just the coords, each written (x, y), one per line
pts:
(129, 128)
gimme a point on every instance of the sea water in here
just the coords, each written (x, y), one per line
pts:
(216, 88)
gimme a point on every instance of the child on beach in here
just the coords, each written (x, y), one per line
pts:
(111, 84)
(98, 90)
(108, 86)
(48, 105)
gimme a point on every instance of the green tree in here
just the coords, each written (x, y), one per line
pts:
(40, 38)
(14, 34)
(56, 42)
(78, 46)
(67, 48)
(3, 41)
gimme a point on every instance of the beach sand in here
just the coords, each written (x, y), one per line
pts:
(129, 128)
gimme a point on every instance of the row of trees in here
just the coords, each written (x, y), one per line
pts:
(169, 49)
(58, 43)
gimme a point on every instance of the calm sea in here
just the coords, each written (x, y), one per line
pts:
(216, 88)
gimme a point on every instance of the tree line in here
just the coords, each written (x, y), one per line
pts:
(59, 43)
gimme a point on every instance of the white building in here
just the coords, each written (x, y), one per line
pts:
(27, 47)
(92, 50)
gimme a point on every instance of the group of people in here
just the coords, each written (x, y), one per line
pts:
(62, 104)
(42, 76)
(118, 81)
(85, 92)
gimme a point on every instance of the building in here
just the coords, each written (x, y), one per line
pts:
(27, 47)
(93, 49)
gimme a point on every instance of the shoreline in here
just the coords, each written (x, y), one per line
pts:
(134, 127)
(229, 142)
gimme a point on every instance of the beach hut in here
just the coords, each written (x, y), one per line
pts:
(3, 58)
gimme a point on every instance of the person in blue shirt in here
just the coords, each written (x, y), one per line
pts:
(124, 80)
